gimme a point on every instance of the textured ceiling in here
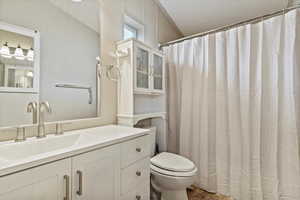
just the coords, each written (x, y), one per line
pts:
(193, 16)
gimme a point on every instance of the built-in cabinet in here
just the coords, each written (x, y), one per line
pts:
(95, 175)
(141, 87)
(147, 66)
(148, 69)
(47, 182)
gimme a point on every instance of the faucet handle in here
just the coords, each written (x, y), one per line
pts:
(20, 134)
(45, 105)
(32, 106)
(60, 127)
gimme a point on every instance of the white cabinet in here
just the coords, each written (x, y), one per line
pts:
(96, 175)
(47, 182)
(147, 66)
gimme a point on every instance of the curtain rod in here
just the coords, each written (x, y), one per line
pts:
(224, 28)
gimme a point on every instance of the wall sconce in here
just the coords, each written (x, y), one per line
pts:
(19, 54)
(30, 54)
(4, 51)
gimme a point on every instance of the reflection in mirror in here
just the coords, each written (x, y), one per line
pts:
(69, 44)
(16, 60)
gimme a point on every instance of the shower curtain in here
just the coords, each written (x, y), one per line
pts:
(234, 108)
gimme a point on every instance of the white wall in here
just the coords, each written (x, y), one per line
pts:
(157, 30)
(68, 55)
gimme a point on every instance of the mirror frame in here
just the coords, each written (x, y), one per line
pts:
(36, 46)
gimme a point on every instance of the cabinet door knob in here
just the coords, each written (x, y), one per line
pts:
(138, 173)
(138, 149)
(138, 197)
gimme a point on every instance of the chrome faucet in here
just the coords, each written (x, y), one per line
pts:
(32, 107)
(43, 107)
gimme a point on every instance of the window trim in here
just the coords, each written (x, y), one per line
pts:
(132, 29)
(131, 22)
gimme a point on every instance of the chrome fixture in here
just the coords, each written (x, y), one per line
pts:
(32, 107)
(30, 54)
(110, 69)
(43, 107)
(293, 4)
(60, 128)
(18, 52)
(4, 51)
(78, 87)
(21, 135)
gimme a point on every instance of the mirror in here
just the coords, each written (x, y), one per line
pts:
(48, 52)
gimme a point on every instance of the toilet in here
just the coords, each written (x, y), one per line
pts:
(171, 174)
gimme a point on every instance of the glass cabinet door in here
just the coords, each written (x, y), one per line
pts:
(142, 68)
(157, 72)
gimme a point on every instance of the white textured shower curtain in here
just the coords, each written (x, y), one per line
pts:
(234, 108)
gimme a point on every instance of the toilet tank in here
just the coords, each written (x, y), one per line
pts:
(152, 140)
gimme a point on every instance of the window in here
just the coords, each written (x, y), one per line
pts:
(129, 32)
(132, 29)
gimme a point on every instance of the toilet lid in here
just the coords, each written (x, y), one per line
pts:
(159, 171)
(172, 162)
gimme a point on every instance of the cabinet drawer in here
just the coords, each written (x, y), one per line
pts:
(135, 150)
(134, 175)
(142, 192)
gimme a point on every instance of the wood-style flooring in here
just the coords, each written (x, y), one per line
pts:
(197, 194)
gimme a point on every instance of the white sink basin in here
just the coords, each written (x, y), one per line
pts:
(33, 152)
(17, 151)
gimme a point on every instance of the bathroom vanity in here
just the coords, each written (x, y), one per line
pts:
(109, 163)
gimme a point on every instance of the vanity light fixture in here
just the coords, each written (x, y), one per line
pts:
(30, 54)
(19, 54)
(4, 51)
(29, 74)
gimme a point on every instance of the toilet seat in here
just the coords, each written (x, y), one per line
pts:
(157, 170)
(173, 165)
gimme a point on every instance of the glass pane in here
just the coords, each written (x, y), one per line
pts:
(129, 32)
(142, 80)
(16, 60)
(19, 78)
(158, 83)
(142, 67)
(158, 66)
(142, 60)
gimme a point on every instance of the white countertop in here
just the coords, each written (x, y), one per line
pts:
(13, 158)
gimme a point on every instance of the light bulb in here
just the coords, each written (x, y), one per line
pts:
(4, 51)
(29, 74)
(30, 54)
(19, 54)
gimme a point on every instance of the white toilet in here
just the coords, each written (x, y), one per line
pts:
(171, 174)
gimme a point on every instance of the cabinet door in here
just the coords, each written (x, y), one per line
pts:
(157, 73)
(47, 182)
(142, 69)
(96, 175)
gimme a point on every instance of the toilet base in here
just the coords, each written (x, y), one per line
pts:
(174, 195)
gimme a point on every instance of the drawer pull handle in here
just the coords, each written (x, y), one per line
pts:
(138, 173)
(79, 191)
(138, 197)
(138, 149)
(67, 179)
